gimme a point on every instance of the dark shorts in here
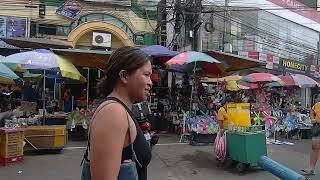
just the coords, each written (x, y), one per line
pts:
(316, 130)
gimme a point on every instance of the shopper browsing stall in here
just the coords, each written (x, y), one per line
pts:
(223, 116)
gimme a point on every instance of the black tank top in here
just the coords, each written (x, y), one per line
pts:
(140, 146)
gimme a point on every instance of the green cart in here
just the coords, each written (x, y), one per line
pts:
(245, 148)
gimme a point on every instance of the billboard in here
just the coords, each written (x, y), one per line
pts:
(71, 9)
(13, 27)
(114, 2)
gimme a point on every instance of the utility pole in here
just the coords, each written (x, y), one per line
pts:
(196, 24)
(318, 57)
(226, 36)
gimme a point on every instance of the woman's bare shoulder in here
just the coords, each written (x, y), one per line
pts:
(110, 115)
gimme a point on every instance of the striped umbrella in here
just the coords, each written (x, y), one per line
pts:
(192, 61)
(261, 78)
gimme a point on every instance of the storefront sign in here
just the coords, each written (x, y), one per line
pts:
(295, 65)
(13, 27)
(253, 55)
(71, 9)
(286, 65)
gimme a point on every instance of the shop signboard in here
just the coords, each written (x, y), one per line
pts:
(253, 55)
(13, 27)
(115, 2)
(3, 27)
(71, 9)
(16, 27)
(291, 66)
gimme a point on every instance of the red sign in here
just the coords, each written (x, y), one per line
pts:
(269, 58)
(298, 8)
(253, 55)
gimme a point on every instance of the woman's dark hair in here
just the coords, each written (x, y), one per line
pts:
(125, 58)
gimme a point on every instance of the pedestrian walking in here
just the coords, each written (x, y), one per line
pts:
(67, 101)
(117, 148)
(314, 156)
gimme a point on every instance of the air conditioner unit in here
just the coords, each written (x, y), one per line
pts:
(101, 39)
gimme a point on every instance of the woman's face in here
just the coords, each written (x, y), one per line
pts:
(139, 83)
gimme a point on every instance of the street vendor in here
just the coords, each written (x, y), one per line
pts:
(314, 156)
(223, 116)
(67, 101)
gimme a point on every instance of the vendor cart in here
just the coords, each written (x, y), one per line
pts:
(246, 148)
(45, 138)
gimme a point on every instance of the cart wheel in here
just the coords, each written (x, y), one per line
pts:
(57, 151)
(229, 163)
(241, 167)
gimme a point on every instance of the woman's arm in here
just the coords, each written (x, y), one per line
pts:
(108, 134)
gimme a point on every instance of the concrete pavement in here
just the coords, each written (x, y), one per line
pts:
(170, 162)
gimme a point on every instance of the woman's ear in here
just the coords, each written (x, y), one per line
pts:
(123, 76)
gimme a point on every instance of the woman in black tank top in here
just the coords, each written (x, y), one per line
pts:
(127, 80)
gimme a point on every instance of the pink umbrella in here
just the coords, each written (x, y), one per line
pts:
(261, 77)
(299, 80)
(288, 80)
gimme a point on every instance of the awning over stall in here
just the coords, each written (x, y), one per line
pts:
(235, 62)
(85, 58)
(36, 43)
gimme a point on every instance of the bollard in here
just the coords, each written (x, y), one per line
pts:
(279, 170)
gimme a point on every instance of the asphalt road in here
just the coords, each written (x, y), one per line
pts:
(170, 161)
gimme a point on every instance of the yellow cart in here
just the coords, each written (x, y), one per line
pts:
(45, 137)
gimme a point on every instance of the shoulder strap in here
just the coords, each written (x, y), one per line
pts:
(94, 115)
(113, 100)
(134, 156)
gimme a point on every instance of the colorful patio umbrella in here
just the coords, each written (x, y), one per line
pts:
(247, 85)
(232, 86)
(287, 82)
(261, 78)
(159, 51)
(300, 80)
(44, 60)
(304, 81)
(192, 61)
(7, 76)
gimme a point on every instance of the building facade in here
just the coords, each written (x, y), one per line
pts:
(87, 24)
(284, 34)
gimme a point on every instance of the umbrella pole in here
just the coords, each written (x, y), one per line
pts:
(54, 89)
(88, 76)
(191, 97)
(44, 96)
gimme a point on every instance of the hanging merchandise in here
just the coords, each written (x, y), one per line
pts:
(257, 119)
(289, 123)
(202, 125)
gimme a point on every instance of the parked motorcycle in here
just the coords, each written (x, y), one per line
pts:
(142, 113)
(151, 136)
